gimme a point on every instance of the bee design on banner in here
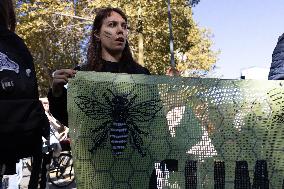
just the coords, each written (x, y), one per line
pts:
(120, 114)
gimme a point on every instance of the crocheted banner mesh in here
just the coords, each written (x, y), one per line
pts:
(157, 132)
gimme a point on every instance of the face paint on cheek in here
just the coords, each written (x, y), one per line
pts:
(107, 34)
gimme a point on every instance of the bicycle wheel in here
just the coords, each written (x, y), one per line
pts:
(61, 172)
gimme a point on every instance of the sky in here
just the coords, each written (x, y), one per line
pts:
(245, 31)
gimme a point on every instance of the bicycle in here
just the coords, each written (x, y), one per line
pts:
(61, 171)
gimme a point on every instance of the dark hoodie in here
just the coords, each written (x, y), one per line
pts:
(22, 118)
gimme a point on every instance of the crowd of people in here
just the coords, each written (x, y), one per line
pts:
(108, 51)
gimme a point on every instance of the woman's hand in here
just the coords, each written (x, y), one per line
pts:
(60, 78)
(172, 72)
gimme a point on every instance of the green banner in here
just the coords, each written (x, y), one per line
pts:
(139, 131)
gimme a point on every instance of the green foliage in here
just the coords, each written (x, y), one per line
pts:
(53, 40)
(57, 33)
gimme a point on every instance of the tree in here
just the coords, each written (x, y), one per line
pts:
(57, 32)
(192, 45)
(54, 40)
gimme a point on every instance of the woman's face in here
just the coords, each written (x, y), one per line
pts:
(113, 34)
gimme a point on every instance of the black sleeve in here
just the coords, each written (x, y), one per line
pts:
(146, 71)
(140, 70)
(58, 106)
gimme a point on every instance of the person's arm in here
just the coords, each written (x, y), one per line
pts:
(58, 106)
(171, 71)
(60, 78)
(140, 70)
(57, 95)
(146, 71)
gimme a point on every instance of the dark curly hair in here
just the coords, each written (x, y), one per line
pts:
(94, 56)
(7, 15)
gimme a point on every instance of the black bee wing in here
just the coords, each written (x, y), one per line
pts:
(100, 135)
(93, 108)
(135, 128)
(136, 138)
(145, 111)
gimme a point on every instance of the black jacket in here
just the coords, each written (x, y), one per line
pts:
(22, 117)
(17, 64)
(58, 105)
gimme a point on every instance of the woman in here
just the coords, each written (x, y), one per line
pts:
(108, 52)
(22, 118)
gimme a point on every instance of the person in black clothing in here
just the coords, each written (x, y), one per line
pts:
(22, 118)
(108, 52)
